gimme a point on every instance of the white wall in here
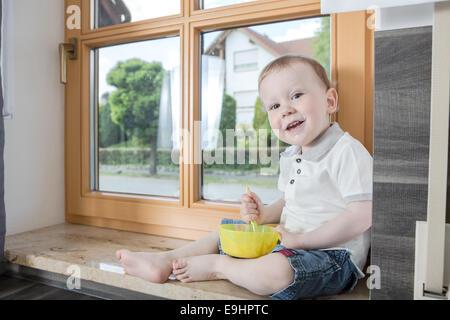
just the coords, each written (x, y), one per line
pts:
(34, 147)
(239, 81)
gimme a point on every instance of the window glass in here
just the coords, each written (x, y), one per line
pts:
(246, 60)
(237, 144)
(111, 12)
(209, 4)
(136, 102)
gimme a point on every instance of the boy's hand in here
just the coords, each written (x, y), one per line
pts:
(288, 239)
(252, 209)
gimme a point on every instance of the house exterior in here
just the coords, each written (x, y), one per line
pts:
(246, 52)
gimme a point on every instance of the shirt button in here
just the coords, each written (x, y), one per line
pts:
(292, 181)
(299, 171)
(299, 160)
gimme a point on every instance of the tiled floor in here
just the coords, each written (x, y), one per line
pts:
(19, 289)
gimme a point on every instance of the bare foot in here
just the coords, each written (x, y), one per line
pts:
(197, 268)
(151, 266)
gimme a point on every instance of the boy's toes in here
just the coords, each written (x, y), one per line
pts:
(121, 253)
(182, 276)
(178, 264)
(177, 272)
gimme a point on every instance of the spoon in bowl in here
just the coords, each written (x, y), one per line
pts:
(253, 222)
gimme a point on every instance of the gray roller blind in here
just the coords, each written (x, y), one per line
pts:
(401, 147)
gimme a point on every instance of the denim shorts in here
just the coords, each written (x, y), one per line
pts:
(317, 272)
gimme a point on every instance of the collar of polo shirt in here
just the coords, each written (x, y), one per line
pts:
(323, 144)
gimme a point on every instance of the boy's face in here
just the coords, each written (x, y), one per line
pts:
(298, 104)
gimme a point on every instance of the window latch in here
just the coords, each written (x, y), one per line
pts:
(67, 50)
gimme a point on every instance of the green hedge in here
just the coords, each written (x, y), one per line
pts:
(133, 156)
(141, 156)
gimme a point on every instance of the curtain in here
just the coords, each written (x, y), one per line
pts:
(213, 82)
(165, 115)
(169, 111)
(2, 168)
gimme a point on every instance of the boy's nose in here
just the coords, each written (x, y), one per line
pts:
(287, 109)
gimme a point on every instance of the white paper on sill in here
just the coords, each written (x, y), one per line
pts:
(120, 270)
(172, 277)
(111, 268)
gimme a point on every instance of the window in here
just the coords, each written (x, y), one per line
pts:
(246, 60)
(251, 157)
(245, 98)
(138, 105)
(245, 107)
(152, 92)
(111, 12)
(209, 4)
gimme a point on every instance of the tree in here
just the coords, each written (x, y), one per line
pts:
(228, 117)
(321, 45)
(260, 118)
(109, 132)
(261, 121)
(135, 103)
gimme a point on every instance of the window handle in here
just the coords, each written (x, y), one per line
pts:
(67, 49)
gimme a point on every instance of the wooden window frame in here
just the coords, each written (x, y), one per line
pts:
(190, 217)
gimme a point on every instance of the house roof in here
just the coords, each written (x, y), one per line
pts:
(302, 46)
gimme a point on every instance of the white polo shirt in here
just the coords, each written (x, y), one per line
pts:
(320, 182)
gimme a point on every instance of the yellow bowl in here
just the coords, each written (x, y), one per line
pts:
(239, 240)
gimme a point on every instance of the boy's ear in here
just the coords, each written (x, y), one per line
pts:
(332, 100)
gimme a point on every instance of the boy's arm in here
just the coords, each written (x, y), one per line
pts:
(356, 219)
(272, 212)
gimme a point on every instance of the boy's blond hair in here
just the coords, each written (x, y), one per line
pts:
(289, 59)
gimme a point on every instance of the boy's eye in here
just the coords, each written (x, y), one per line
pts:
(297, 95)
(274, 106)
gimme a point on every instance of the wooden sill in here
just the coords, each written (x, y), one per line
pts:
(57, 248)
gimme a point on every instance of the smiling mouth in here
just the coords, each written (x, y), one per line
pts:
(294, 125)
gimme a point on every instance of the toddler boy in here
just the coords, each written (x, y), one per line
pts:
(325, 212)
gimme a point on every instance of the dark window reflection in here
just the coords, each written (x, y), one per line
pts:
(111, 12)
